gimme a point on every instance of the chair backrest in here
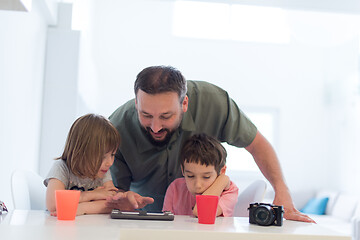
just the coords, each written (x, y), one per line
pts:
(253, 193)
(28, 191)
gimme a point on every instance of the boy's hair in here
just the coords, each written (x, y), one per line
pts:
(90, 138)
(160, 79)
(204, 150)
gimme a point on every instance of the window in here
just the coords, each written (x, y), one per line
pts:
(241, 160)
(230, 22)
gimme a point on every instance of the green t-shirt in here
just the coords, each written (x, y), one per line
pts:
(147, 169)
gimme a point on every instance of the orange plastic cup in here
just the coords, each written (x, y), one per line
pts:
(207, 208)
(67, 202)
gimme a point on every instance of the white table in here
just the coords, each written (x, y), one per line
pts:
(19, 224)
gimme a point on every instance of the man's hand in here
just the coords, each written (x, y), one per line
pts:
(267, 161)
(290, 212)
(128, 201)
(294, 214)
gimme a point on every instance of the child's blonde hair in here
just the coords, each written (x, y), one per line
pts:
(204, 150)
(90, 138)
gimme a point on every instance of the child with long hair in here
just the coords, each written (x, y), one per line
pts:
(84, 165)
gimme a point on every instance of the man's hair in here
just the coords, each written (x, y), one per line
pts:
(90, 138)
(205, 150)
(160, 79)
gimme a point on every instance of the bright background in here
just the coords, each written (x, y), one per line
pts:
(292, 67)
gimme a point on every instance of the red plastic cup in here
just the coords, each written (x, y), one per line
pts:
(207, 208)
(67, 202)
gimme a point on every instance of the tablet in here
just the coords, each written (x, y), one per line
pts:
(142, 215)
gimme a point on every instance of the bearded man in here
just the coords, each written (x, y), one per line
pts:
(166, 111)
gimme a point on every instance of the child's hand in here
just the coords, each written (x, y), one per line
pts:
(78, 212)
(101, 193)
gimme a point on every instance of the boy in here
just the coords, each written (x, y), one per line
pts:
(203, 166)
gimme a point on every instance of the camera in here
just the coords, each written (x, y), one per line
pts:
(265, 214)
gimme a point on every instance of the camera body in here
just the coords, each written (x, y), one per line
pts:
(265, 214)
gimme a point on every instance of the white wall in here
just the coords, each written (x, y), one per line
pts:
(22, 51)
(310, 81)
(307, 80)
(60, 88)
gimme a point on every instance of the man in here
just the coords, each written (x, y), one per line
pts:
(167, 110)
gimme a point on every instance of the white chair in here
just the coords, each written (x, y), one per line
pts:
(28, 191)
(253, 193)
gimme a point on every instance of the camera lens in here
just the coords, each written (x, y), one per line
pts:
(264, 215)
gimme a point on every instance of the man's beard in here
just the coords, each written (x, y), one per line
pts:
(169, 133)
(160, 143)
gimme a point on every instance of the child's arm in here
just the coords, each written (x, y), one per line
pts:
(53, 185)
(221, 183)
(100, 193)
(93, 207)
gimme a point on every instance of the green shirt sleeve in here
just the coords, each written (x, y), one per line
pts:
(213, 112)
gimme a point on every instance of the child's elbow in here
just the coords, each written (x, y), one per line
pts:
(51, 206)
(195, 213)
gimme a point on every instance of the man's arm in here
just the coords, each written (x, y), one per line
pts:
(124, 199)
(120, 172)
(268, 163)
